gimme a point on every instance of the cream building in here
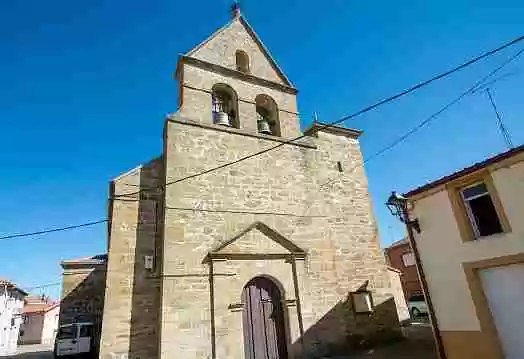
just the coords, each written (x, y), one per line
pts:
(471, 247)
(277, 255)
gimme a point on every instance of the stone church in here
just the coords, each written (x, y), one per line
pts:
(276, 256)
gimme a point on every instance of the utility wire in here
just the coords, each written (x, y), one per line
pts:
(375, 155)
(59, 229)
(503, 130)
(432, 117)
(43, 286)
(402, 138)
(492, 82)
(448, 105)
(353, 115)
(171, 208)
(240, 212)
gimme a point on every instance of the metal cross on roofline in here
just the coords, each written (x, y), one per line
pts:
(235, 8)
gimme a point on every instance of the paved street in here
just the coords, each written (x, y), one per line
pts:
(34, 351)
(418, 345)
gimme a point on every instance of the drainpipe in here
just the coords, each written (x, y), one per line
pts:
(399, 207)
(425, 289)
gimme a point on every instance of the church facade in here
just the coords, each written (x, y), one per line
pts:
(275, 256)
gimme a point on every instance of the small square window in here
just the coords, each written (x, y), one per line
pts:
(339, 166)
(481, 211)
(408, 259)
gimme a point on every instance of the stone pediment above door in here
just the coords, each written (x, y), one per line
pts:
(257, 241)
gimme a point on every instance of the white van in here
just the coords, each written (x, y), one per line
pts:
(74, 339)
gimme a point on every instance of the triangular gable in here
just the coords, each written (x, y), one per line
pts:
(213, 50)
(258, 238)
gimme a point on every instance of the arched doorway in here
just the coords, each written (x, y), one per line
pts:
(263, 320)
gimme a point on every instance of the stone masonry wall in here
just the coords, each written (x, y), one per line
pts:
(343, 250)
(197, 102)
(189, 306)
(130, 322)
(222, 48)
(83, 290)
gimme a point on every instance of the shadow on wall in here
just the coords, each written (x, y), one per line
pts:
(341, 331)
(338, 331)
(145, 312)
(85, 302)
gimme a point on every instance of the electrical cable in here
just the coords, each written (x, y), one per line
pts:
(343, 119)
(239, 212)
(42, 286)
(59, 229)
(503, 130)
(445, 107)
(375, 155)
(420, 125)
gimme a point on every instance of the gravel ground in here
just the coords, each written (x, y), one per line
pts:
(419, 344)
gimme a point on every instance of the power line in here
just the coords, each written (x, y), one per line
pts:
(378, 153)
(503, 130)
(423, 123)
(241, 212)
(171, 208)
(492, 82)
(402, 138)
(409, 133)
(448, 105)
(353, 115)
(43, 286)
(59, 229)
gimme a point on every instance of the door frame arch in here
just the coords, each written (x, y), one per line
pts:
(283, 307)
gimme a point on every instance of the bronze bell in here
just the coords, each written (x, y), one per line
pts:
(263, 127)
(221, 118)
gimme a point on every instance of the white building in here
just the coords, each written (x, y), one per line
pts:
(11, 304)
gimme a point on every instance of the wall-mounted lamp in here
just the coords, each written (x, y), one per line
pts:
(398, 206)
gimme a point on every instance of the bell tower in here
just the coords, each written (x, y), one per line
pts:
(231, 81)
(222, 224)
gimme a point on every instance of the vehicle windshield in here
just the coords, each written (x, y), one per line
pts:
(86, 330)
(417, 298)
(68, 332)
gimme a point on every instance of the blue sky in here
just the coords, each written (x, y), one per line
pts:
(85, 85)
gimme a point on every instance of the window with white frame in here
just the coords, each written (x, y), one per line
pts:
(481, 211)
(408, 259)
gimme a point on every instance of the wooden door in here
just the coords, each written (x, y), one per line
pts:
(263, 320)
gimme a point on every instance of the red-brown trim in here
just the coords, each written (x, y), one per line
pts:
(45, 310)
(439, 344)
(466, 171)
